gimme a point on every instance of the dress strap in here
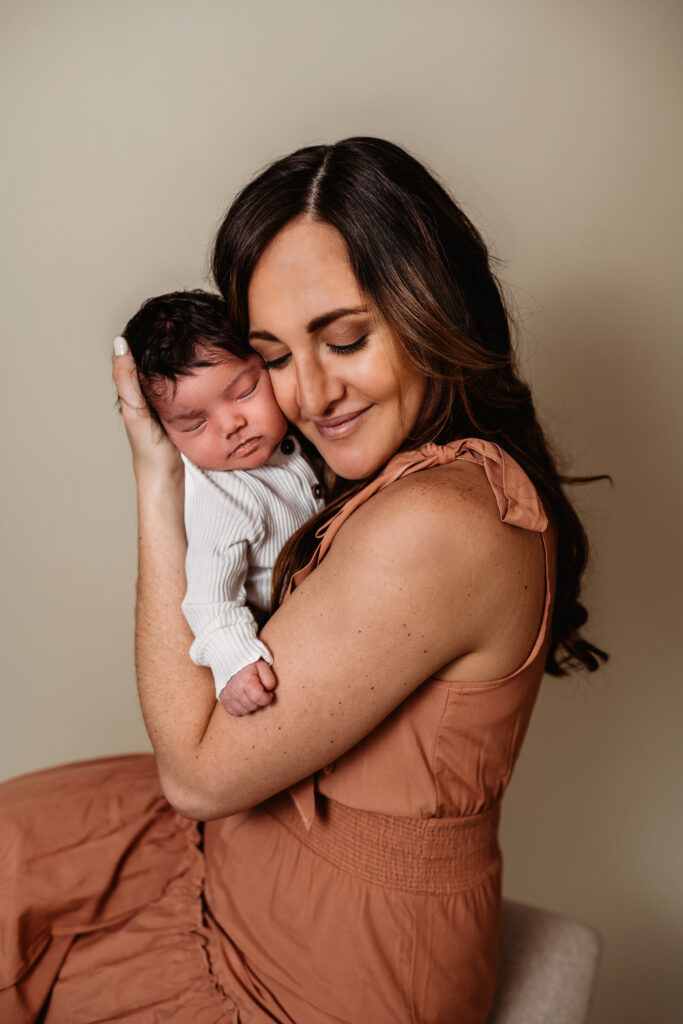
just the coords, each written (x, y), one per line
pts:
(518, 505)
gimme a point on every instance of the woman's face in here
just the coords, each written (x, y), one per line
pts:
(338, 374)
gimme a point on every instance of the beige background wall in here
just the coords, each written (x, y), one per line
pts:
(127, 127)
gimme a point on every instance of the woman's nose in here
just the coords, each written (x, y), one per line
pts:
(316, 387)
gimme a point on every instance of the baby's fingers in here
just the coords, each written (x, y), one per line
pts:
(244, 693)
(254, 694)
(266, 675)
(232, 702)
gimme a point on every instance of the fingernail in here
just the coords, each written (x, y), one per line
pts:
(120, 346)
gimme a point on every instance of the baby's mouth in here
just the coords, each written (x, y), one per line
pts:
(245, 447)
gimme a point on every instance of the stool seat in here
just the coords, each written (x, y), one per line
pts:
(547, 970)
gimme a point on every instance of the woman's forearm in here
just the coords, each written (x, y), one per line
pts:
(177, 698)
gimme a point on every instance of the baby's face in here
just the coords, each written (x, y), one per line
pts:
(223, 416)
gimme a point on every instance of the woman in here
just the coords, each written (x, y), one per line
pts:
(350, 869)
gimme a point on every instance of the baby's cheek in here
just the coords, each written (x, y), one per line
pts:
(187, 446)
(285, 401)
(277, 419)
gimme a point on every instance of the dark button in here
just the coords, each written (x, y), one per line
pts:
(287, 446)
(317, 491)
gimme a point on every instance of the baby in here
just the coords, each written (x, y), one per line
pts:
(248, 487)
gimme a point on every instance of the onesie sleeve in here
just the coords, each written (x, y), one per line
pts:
(220, 525)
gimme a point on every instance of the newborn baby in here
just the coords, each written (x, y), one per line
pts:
(248, 486)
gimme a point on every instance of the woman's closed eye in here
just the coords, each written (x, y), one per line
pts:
(355, 346)
(274, 364)
(340, 350)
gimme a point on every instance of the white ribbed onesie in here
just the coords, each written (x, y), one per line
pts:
(237, 521)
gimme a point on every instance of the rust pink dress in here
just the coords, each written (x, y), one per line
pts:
(367, 894)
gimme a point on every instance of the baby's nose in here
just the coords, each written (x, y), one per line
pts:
(231, 423)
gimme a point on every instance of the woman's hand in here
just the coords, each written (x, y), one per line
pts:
(154, 456)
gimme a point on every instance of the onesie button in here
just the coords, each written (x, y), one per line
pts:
(317, 491)
(287, 446)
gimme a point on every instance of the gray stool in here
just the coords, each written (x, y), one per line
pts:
(548, 965)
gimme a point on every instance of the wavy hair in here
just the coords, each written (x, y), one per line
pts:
(426, 271)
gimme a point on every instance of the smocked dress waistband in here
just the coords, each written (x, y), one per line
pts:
(418, 855)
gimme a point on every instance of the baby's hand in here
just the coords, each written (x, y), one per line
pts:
(249, 689)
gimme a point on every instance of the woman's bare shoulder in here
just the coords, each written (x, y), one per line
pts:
(436, 538)
(445, 508)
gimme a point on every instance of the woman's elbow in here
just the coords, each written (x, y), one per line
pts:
(193, 800)
(183, 798)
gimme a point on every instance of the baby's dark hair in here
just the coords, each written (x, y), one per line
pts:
(172, 335)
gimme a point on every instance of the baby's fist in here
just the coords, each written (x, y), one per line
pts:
(249, 689)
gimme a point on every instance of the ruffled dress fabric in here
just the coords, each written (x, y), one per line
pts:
(370, 892)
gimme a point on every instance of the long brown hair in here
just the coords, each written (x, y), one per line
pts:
(426, 271)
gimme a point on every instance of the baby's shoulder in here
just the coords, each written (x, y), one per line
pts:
(226, 499)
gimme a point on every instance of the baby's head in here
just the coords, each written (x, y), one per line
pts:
(206, 388)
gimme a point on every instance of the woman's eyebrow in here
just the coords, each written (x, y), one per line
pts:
(319, 322)
(316, 324)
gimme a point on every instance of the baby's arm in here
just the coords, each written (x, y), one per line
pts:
(219, 528)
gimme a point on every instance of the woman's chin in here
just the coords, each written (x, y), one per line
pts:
(355, 465)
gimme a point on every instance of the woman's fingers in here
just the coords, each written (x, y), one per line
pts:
(151, 448)
(125, 376)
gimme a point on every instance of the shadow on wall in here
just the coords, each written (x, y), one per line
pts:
(609, 394)
(590, 828)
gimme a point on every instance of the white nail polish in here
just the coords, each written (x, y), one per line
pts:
(120, 346)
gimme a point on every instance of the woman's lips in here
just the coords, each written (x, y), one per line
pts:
(341, 426)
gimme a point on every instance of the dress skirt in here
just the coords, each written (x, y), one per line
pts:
(116, 908)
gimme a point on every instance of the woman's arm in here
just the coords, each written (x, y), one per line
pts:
(400, 594)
